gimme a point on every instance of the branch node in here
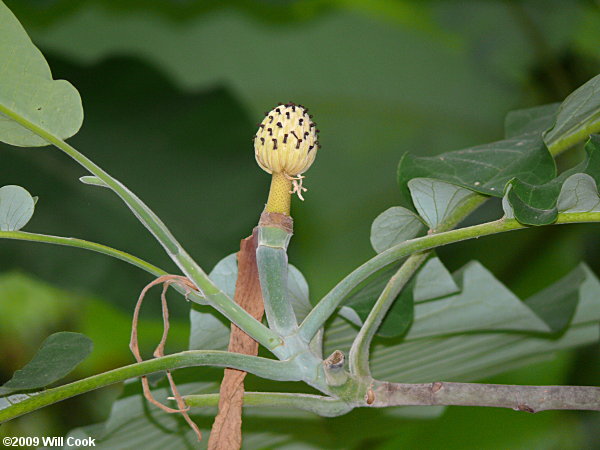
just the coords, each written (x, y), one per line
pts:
(370, 396)
(435, 387)
(524, 408)
(334, 369)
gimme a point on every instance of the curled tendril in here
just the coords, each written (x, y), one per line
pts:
(166, 281)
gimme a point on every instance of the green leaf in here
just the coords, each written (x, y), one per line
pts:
(533, 204)
(59, 354)
(485, 168)
(557, 303)
(436, 200)
(16, 208)
(28, 92)
(534, 120)
(578, 115)
(394, 225)
(538, 204)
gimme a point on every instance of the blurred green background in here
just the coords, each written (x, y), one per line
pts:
(172, 91)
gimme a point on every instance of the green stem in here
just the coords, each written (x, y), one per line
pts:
(327, 306)
(266, 368)
(87, 245)
(214, 296)
(318, 404)
(105, 250)
(359, 353)
(272, 262)
(568, 140)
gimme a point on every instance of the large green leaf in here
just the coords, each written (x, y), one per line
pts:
(484, 168)
(436, 200)
(578, 116)
(534, 120)
(28, 91)
(59, 354)
(482, 304)
(16, 207)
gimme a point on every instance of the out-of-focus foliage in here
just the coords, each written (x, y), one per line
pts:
(171, 91)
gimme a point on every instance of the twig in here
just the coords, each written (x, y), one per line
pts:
(520, 398)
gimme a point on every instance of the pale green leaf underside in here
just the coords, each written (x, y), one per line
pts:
(579, 193)
(433, 281)
(27, 90)
(436, 200)
(393, 226)
(16, 208)
(483, 304)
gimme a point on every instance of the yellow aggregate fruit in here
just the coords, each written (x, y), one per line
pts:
(285, 146)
